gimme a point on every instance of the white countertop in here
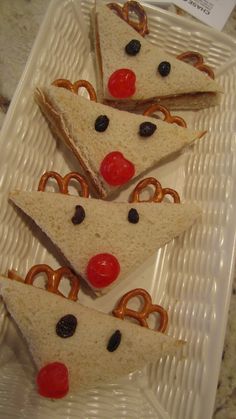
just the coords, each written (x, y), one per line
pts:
(19, 23)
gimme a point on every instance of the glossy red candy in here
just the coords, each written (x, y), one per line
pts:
(121, 83)
(53, 380)
(102, 270)
(116, 169)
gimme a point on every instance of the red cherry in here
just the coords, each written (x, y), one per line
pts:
(102, 270)
(121, 83)
(53, 380)
(116, 169)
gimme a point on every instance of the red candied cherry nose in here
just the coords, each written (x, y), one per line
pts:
(53, 380)
(116, 169)
(102, 270)
(121, 83)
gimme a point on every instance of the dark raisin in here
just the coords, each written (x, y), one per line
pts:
(133, 216)
(101, 123)
(114, 341)
(133, 47)
(146, 129)
(66, 326)
(164, 68)
(79, 215)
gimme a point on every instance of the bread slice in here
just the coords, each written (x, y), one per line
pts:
(105, 228)
(185, 87)
(37, 312)
(72, 119)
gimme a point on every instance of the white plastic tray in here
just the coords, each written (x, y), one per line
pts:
(191, 277)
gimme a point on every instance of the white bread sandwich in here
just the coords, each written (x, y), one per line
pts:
(75, 347)
(132, 72)
(112, 146)
(104, 241)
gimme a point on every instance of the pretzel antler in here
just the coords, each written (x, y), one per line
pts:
(118, 9)
(167, 115)
(74, 87)
(63, 182)
(141, 316)
(159, 192)
(54, 278)
(132, 6)
(197, 61)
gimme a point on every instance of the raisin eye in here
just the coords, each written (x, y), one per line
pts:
(114, 341)
(66, 326)
(101, 123)
(146, 129)
(133, 216)
(133, 47)
(79, 215)
(164, 68)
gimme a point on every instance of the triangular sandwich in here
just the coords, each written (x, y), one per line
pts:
(84, 229)
(113, 147)
(92, 346)
(153, 75)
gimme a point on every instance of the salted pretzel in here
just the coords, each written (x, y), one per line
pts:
(132, 6)
(74, 87)
(159, 192)
(167, 115)
(63, 182)
(141, 316)
(197, 61)
(54, 278)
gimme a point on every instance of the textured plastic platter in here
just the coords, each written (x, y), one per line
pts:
(191, 277)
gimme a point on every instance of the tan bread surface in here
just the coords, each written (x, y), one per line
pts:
(112, 34)
(37, 312)
(72, 117)
(105, 228)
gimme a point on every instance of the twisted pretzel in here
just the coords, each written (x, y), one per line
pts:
(159, 192)
(167, 115)
(12, 274)
(141, 316)
(74, 87)
(53, 279)
(118, 9)
(132, 6)
(197, 61)
(63, 182)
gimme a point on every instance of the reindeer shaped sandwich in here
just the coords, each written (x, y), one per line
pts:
(132, 72)
(113, 147)
(76, 347)
(102, 240)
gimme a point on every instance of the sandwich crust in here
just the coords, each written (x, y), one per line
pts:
(59, 128)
